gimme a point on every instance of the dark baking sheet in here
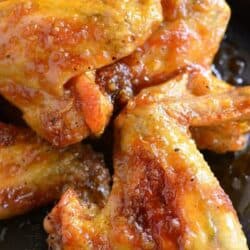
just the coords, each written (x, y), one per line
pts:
(233, 170)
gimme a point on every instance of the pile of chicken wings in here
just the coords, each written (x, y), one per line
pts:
(73, 68)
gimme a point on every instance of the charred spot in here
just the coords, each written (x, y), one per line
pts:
(132, 38)
(154, 204)
(116, 80)
(8, 135)
(53, 120)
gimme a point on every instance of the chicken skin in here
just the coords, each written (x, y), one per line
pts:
(34, 173)
(187, 39)
(68, 65)
(47, 71)
(46, 43)
(190, 35)
(164, 194)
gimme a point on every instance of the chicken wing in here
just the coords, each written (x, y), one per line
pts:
(33, 80)
(46, 43)
(224, 137)
(190, 34)
(33, 173)
(164, 194)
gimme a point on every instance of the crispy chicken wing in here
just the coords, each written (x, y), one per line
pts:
(61, 120)
(33, 173)
(190, 34)
(46, 43)
(64, 114)
(164, 194)
(224, 137)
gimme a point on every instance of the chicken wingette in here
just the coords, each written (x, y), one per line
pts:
(164, 194)
(190, 35)
(223, 137)
(33, 173)
(188, 38)
(46, 43)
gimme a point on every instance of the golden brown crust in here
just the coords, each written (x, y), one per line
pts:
(220, 137)
(45, 43)
(190, 28)
(164, 195)
(58, 120)
(33, 173)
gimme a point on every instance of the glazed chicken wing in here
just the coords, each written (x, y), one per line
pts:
(33, 173)
(226, 136)
(46, 43)
(164, 194)
(189, 35)
(42, 70)
(223, 137)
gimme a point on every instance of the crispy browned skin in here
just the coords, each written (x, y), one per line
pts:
(46, 43)
(33, 173)
(225, 137)
(228, 137)
(66, 119)
(164, 194)
(190, 34)
(67, 114)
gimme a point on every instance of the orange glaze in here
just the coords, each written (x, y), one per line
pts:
(154, 207)
(59, 45)
(66, 34)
